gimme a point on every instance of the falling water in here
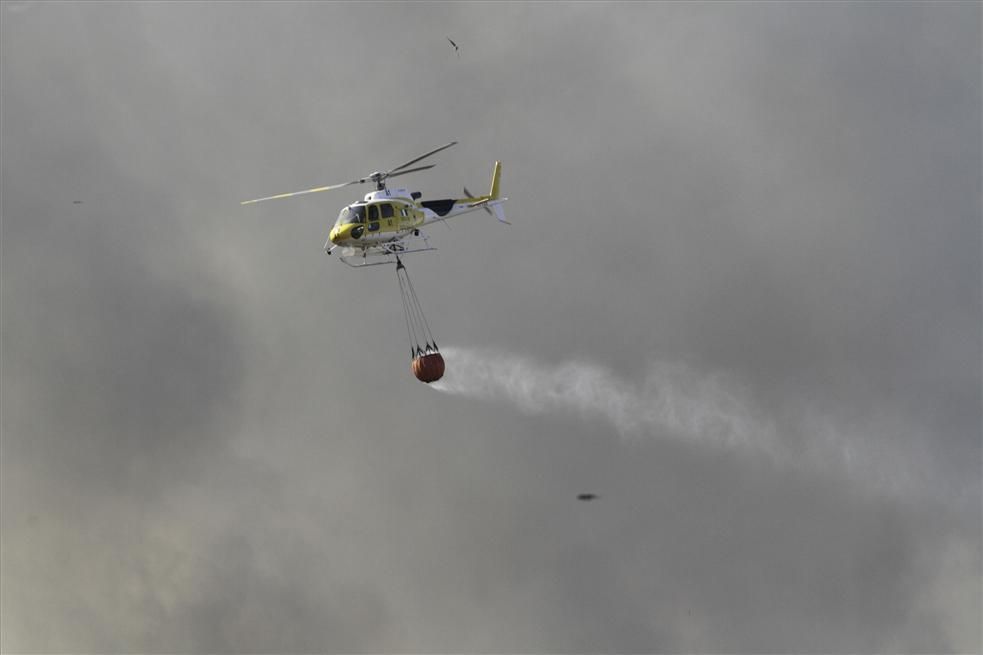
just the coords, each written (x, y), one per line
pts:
(712, 410)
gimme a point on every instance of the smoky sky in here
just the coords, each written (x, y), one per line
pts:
(211, 437)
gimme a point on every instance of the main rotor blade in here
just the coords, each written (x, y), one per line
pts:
(306, 191)
(391, 173)
(432, 152)
(411, 170)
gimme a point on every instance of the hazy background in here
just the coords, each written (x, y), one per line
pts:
(741, 301)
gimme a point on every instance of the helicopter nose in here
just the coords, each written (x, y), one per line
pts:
(345, 233)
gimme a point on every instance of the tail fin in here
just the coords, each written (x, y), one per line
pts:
(496, 177)
(492, 201)
(499, 212)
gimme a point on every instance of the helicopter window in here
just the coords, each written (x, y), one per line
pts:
(353, 214)
(373, 212)
(387, 210)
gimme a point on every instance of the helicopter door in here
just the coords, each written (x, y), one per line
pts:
(386, 214)
(405, 216)
(381, 215)
(373, 218)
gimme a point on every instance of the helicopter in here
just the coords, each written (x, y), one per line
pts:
(387, 223)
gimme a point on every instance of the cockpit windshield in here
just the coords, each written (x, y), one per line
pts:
(352, 214)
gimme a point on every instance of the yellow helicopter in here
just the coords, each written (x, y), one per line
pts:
(386, 223)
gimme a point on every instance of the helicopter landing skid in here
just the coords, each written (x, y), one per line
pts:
(386, 253)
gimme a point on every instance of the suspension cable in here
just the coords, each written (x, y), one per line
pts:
(406, 310)
(412, 314)
(423, 317)
(417, 326)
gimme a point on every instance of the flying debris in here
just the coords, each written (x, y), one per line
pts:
(586, 497)
(456, 49)
(386, 225)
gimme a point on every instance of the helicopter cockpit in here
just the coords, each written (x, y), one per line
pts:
(351, 214)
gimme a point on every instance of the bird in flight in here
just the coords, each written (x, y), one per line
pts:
(456, 49)
(586, 497)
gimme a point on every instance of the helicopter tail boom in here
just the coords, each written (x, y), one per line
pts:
(440, 210)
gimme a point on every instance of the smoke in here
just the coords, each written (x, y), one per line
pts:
(711, 410)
